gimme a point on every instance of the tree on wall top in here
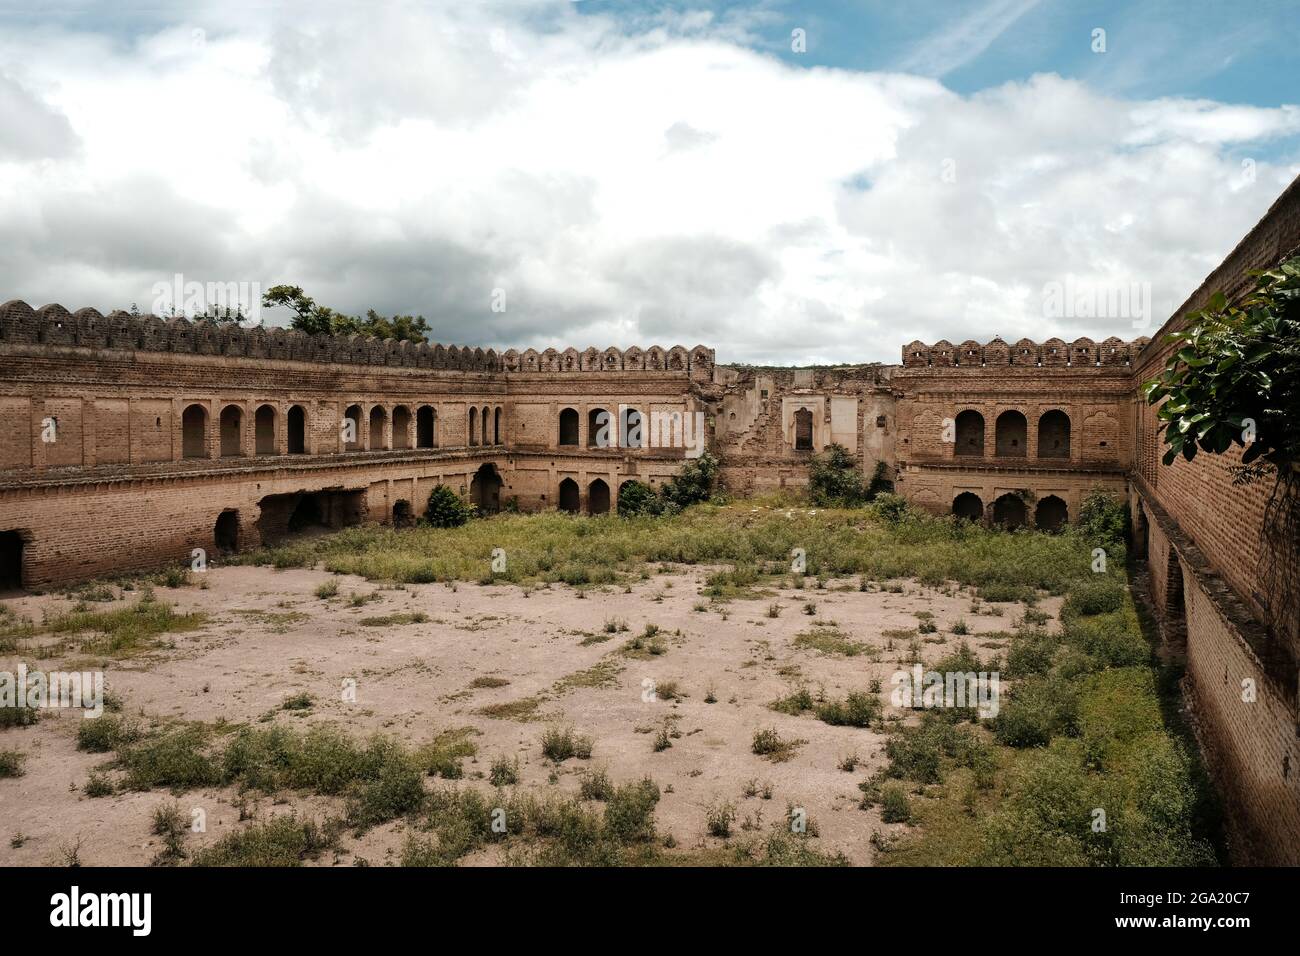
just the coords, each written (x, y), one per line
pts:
(1234, 379)
(315, 319)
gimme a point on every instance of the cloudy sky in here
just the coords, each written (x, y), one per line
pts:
(786, 182)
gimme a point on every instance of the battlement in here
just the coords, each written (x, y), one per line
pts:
(89, 328)
(1081, 353)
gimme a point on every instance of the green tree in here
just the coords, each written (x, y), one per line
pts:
(315, 319)
(1234, 380)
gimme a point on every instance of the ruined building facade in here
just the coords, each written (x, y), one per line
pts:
(127, 441)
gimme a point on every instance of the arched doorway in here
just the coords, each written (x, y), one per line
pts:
(226, 532)
(402, 514)
(1051, 514)
(598, 497)
(632, 429)
(569, 496)
(264, 430)
(803, 430)
(569, 426)
(969, 506)
(1009, 512)
(352, 428)
(969, 434)
(297, 430)
(1054, 435)
(426, 421)
(231, 432)
(194, 432)
(600, 428)
(1012, 430)
(485, 489)
(401, 427)
(378, 418)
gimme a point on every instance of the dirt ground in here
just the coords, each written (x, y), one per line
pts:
(268, 637)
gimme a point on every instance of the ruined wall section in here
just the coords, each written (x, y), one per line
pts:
(768, 422)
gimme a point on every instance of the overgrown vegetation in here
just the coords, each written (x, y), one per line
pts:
(835, 481)
(1085, 763)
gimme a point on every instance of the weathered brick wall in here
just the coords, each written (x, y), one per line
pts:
(121, 487)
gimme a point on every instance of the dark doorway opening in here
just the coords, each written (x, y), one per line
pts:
(1009, 512)
(598, 497)
(803, 430)
(424, 427)
(1052, 514)
(226, 533)
(300, 512)
(485, 489)
(568, 427)
(11, 560)
(969, 506)
(402, 514)
(569, 496)
(297, 431)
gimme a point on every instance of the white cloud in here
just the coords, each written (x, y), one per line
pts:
(666, 186)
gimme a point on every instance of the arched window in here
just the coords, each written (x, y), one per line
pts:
(473, 425)
(969, 506)
(1012, 431)
(487, 431)
(569, 495)
(352, 428)
(970, 434)
(401, 427)
(264, 430)
(569, 428)
(598, 497)
(297, 430)
(496, 426)
(803, 430)
(232, 438)
(600, 429)
(1054, 435)
(378, 418)
(426, 427)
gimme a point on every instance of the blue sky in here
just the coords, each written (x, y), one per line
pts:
(633, 173)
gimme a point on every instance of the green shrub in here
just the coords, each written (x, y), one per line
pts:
(894, 805)
(629, 812)
(1095, 596)
(834, 479)
(284, 841)
(445, 508)
(11, 763)
(638, 498)
(856, 710)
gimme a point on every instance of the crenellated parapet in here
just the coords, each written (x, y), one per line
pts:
(88, 328)
(1053, 353)
(698, 361)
